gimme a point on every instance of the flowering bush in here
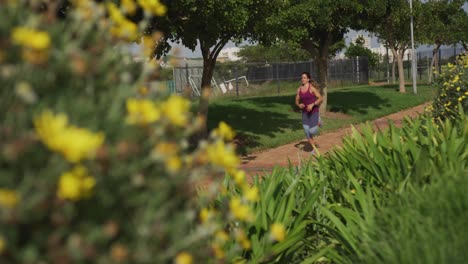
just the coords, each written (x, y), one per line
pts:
(94, 169)
(452, 88)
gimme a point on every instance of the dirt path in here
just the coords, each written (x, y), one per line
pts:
(261, 162)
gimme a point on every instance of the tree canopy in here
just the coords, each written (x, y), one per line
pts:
(210, 24)
(358, 49)
(318, 26)
(284, 52)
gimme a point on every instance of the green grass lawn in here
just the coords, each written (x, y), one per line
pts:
(264, 122)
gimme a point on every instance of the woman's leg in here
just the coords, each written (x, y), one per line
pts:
(310, 132)
(313, 131)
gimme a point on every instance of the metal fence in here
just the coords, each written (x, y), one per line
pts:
(228, 75)
(383, 71)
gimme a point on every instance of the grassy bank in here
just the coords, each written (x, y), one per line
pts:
(264, 122)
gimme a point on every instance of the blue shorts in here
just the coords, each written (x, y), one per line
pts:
(311, 131)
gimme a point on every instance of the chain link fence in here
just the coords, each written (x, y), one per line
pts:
(383, 71)
(247, 78)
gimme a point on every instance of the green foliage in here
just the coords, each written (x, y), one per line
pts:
(211, 24)
(426, 218)
(375, 177)
(357, 49)
(285, 200)
(452, 90)
(281, 52)
(383, 196)
(92, 171)
(439, 22)
(461, 27)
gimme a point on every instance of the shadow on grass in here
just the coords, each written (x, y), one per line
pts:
(345, 101)
(274, 101)
(250, 123)
(273, 114)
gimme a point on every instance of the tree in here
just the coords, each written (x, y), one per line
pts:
(210, 24)
(441, 25)
(460, 27)
(277, 52)
(318, 26)
(393, 26)
(358, 49)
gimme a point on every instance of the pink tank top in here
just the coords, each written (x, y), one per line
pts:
(308, 98)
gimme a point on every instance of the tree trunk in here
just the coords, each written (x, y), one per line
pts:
(204, 101)
(393, 69)
(320, 55)
(209, 63)
(435, 54)
(322, 64)
(401, 71)
(436, 65)
(465, 45)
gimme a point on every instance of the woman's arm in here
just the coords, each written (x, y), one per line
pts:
(318, 101)
(297, 100)
(318, 95)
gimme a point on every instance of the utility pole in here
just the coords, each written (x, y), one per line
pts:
(413, 53)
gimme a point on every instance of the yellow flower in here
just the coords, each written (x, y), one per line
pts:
(173, 164)
(278, 232)
(31, 38)
(153, 6)
(85, 8)
(176, 109)
(143, 90)
(218, 251)
(243, 240)
(142, 112)
(73, 143)
(114, 13)
(129, 6)
(126, 30)
(149, 43)
(251, 194)
(239, 177)
(205, 214)
(222, 155)
(240, 211)
(75, 184)
(8, 198)
(460, 98)
(78, 143)
(166, 149)
(184, 258)
(224, 131)
(221, 236)
(458, 88)
(122, 27)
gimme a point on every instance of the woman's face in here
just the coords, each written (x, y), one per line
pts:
(304, 79)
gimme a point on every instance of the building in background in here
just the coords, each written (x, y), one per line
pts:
(382, 51)
(229, 54)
